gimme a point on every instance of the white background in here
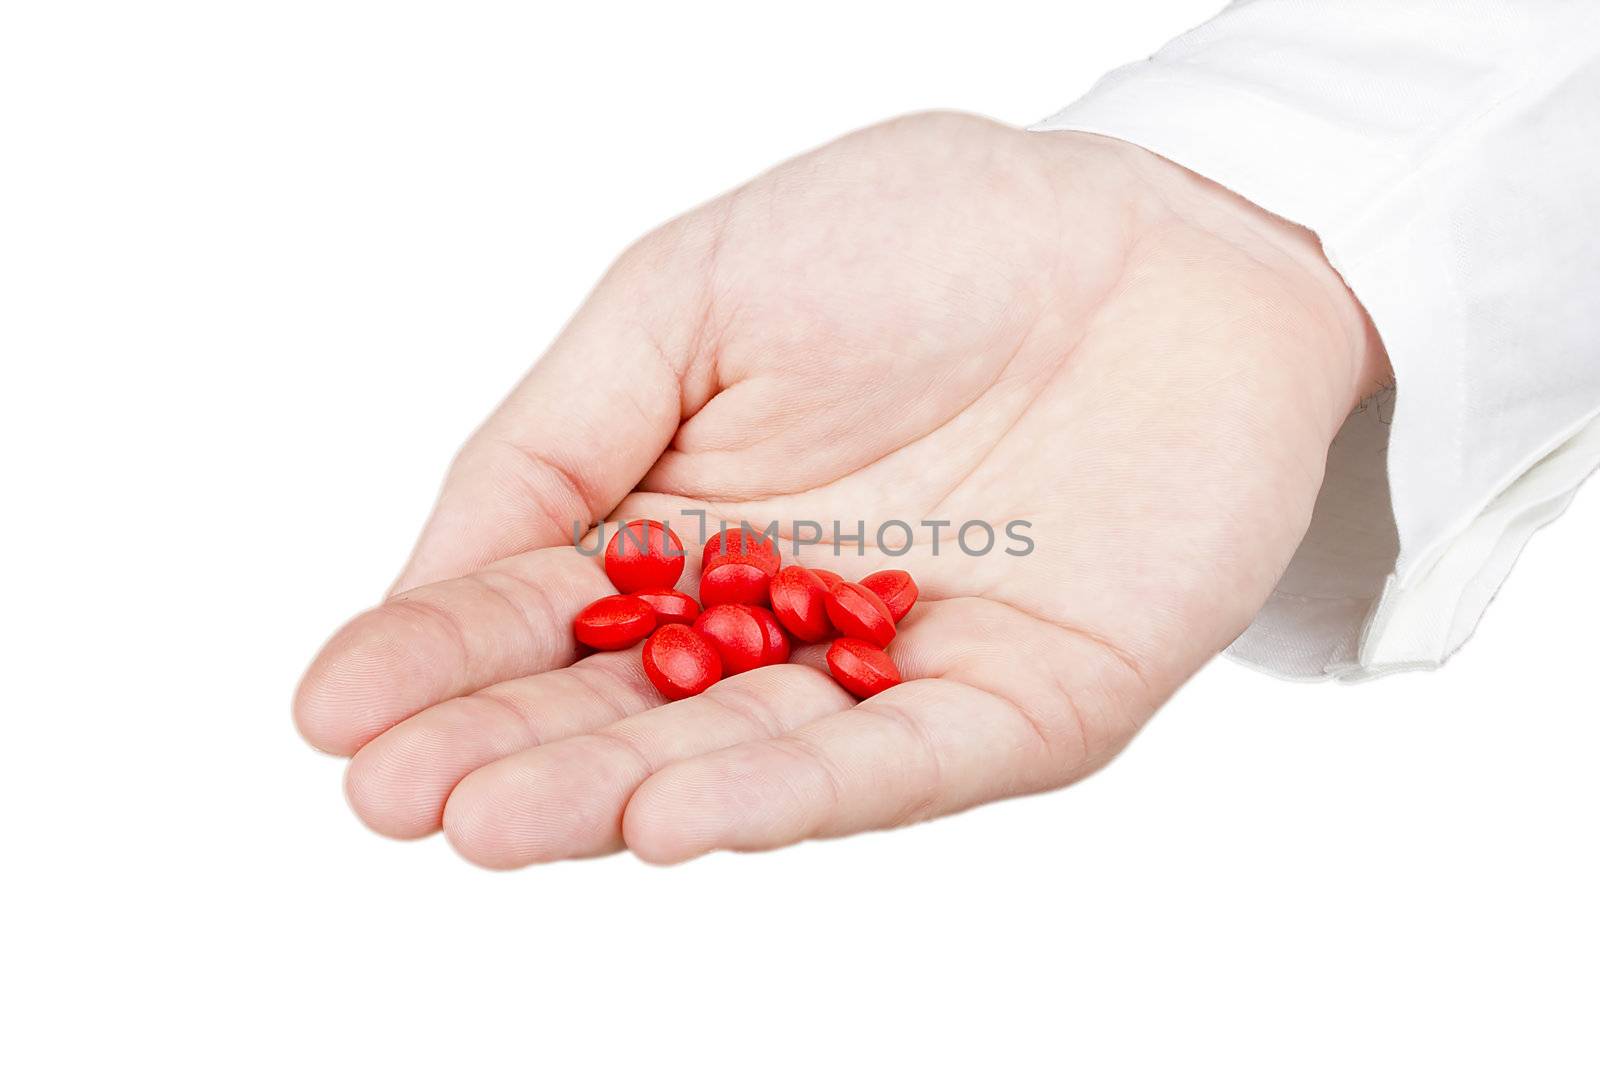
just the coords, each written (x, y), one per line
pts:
(263, 266)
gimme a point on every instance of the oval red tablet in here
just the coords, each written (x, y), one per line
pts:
(680, 663)
(739, 545)
(798, 599)
(644, 554)
(733, 583)
(777, 645)
(736, 634)
(829, 579)
(859, 612)
(896, 589)
(864, 670)
(614, 622)
(670, 606)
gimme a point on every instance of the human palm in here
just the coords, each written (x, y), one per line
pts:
(935, 320)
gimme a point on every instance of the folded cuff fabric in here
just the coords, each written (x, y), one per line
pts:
(1447, 154)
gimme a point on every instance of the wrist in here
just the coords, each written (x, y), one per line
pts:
(1351, 363)
(1355, 361)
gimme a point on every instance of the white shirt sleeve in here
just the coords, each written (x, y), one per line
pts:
(1447, 153)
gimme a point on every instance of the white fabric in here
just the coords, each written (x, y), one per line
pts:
(1447, 153)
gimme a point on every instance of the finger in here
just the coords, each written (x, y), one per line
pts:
(441, 641)
(566, 799)
(398, 782)
(1004, 717)
(586, 423)
(923, 748)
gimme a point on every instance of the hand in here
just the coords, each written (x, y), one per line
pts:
(937, 318)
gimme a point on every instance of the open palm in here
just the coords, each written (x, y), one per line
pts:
(935, 320)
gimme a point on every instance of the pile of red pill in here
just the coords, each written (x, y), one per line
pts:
(752, 610)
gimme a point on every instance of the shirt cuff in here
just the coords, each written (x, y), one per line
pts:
(1451, 168)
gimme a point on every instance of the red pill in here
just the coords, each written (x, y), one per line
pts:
(679, 662)
(614, 622)
(644, 554)
(739, 545)
(829, 579)
(670, 606)
(798, 599)
(736, 634)
(777, 646)
(864, 670)
(859, 612)
(733, 583)
(896, 589)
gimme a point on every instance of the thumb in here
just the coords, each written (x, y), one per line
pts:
(590, 418)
